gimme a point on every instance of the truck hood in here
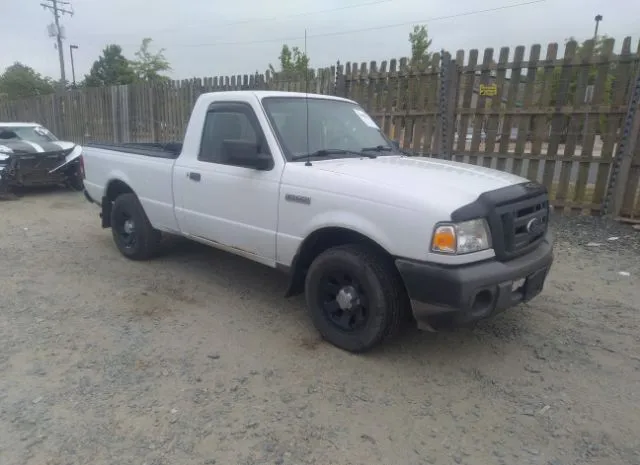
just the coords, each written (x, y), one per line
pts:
(455, 183)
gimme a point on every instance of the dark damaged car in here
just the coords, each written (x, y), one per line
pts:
(30, 156)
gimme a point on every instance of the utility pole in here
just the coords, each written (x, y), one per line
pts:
(58, 8)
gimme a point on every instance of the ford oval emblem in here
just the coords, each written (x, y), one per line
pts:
(534, 226)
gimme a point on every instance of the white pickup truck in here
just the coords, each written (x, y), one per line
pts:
(310, 185)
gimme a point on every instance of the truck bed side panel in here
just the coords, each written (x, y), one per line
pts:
(149, 177)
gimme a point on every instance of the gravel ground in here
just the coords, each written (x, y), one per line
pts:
(196, 358)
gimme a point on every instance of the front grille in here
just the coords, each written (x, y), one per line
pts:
(524, 224)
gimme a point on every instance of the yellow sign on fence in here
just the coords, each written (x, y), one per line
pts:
(488, 90)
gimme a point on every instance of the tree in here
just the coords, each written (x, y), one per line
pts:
(293, 63)
(420, 43)
(148, 66)
(20, 81)
(111, 69)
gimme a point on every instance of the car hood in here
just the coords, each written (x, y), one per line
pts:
(450, 184)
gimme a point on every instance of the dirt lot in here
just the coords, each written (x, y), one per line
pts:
(195, 358)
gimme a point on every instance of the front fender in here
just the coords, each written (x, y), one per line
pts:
(350, 220)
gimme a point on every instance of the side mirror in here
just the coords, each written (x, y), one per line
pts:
(247, 154)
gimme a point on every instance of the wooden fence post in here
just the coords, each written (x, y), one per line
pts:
(341, 83)
(447, 99)
(618, 181)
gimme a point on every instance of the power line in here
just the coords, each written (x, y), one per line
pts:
(58, 8)
(367, 29)
(275, 18)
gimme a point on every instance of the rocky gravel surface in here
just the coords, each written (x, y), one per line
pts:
(196, 358)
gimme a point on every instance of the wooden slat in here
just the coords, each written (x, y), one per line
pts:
(478, 121)
(381, 89)
(493, 120)
(391, 92)
(467, 95)
(419, 105)
(575, 122)
(512, 96)
(540, 127)
(558, 120)
(525, 123)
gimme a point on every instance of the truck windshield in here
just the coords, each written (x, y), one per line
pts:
(336, 129)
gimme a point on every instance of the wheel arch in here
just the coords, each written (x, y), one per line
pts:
(317, 242)
(114, 188)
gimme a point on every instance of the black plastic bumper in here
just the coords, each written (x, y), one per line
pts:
(475, 291)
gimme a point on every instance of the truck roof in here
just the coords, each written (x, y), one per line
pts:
(275, 93)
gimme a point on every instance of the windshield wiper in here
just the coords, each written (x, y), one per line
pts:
(378, 148)
(329, 152)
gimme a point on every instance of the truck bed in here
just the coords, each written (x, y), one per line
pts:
(146, 168)
(168, 150)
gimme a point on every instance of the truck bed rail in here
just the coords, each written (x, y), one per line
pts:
(169, 150)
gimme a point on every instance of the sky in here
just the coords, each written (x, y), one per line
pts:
(210, 38)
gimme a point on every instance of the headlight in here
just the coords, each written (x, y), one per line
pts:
(461, 238)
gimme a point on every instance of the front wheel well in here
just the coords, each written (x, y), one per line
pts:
(114, 189)
(319, 241)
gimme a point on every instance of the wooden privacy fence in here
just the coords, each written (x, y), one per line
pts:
(567, 119)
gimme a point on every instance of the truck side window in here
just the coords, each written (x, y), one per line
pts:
(224, 124)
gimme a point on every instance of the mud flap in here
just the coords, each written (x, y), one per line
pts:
(105, 213)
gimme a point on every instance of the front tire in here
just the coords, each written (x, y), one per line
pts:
(355, 297)
(132, 232)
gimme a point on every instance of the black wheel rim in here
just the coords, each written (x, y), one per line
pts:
(343, 301)
(126, 229)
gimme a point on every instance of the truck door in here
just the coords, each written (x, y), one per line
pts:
(222, 201)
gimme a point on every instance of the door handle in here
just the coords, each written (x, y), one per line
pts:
(194, 176)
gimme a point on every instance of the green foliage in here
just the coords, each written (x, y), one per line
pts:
(420, 43)
(293, 64)
(148, 66)
(574, 76)
(110, 69)
(20, 81)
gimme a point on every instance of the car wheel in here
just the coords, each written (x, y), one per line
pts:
(132, 232)
(355, 297)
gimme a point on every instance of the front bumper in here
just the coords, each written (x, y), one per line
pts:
(475, 291)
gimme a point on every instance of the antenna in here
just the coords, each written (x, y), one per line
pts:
(306, 94)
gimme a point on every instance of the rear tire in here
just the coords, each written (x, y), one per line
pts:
(355, 297)
(132, 232)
